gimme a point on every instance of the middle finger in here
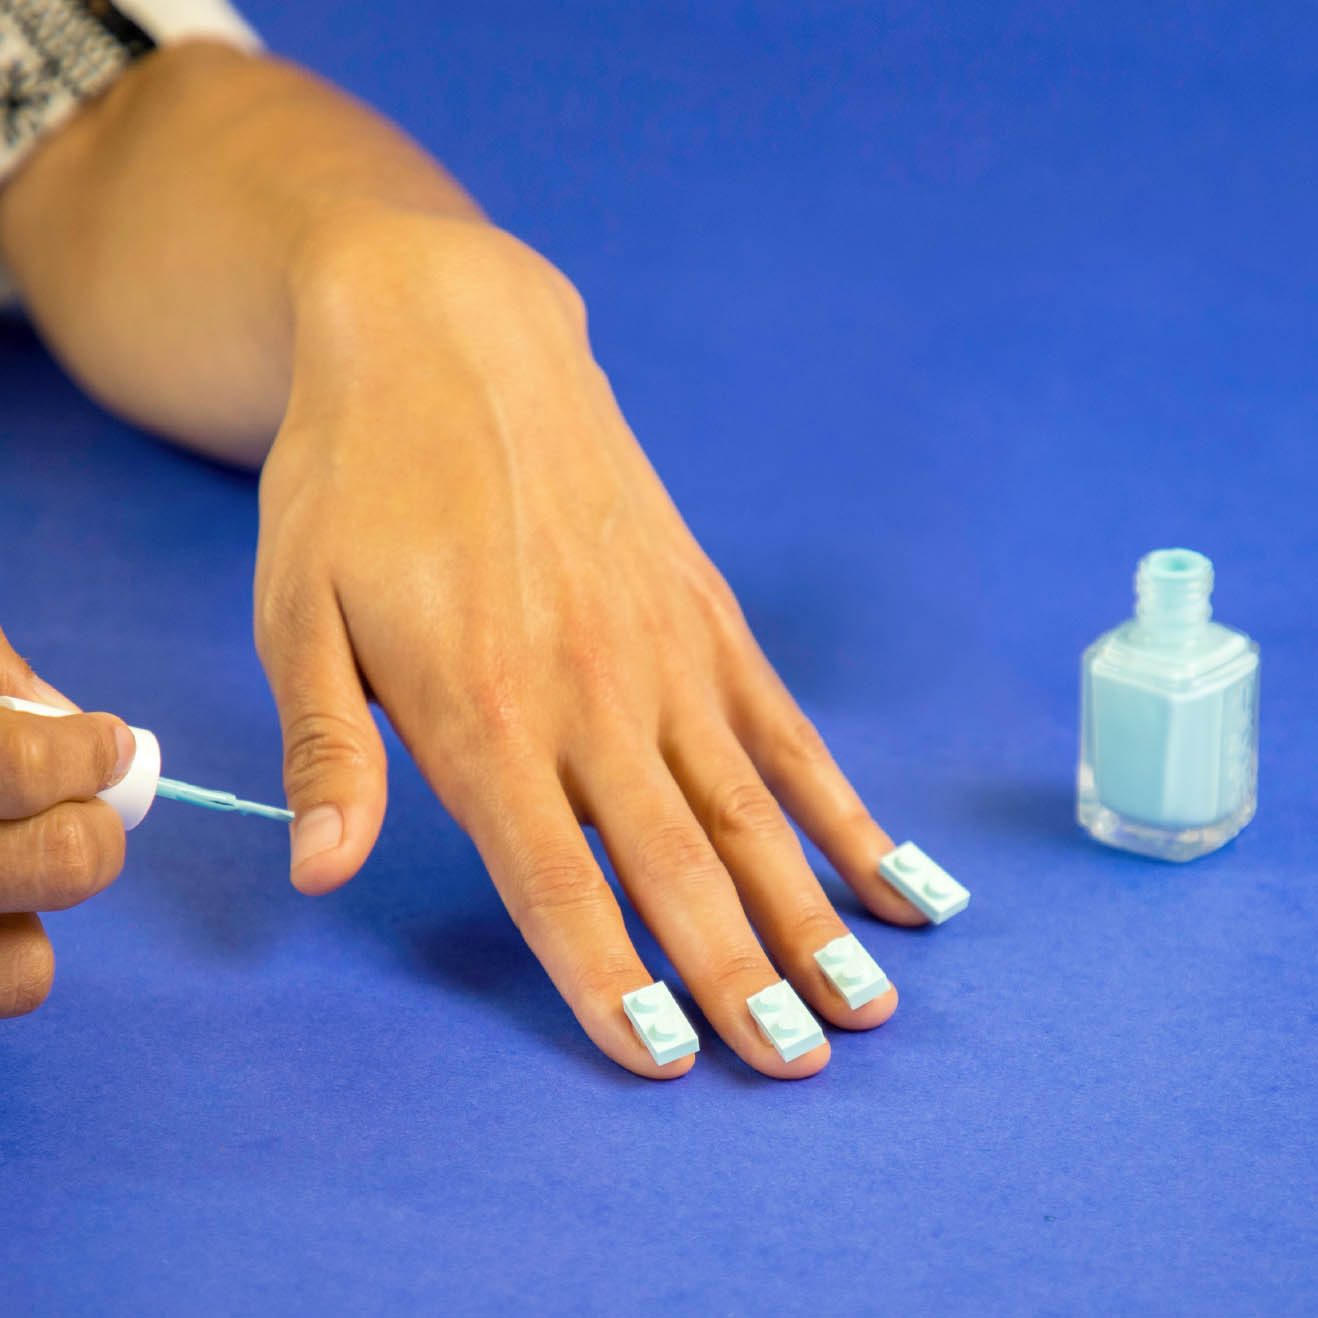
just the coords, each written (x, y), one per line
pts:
(682, 891)
(60, 857)
(779, 890)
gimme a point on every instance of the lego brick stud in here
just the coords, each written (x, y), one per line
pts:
(926, 884)
(852, 971)
(659, 1023)
(784, 1020)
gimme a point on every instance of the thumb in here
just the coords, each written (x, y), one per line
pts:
(18, 679)
(334, 763)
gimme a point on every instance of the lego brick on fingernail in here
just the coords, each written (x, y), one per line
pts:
(784, 1020)
(924, 883)
(852, 971)
(659, 1023)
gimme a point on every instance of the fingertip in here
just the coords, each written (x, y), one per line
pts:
(764, 1058)
(879, 897)
(318, 878)
(631, 1053)
(878, 894)
(803, 1067)
(125, 748)
(675, 1070)
(620, 1038)
(868, 1016)
(889, 905)
(322, 875)
(325, 850)
(642, 1064)
(27, 965)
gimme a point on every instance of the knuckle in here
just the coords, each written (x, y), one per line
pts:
(552, 883)
(510, 253)
(282, 608)
(675, 849)
(858, 821)
(498, 709)
(98, 748)
(705, 577)
(741, 809)
(314, 743)
(800, 743)
(27, 764)
(716, 598)
(104, 751)
(271, 609)
(810, 928)
(733, 972)
(604, 979)
(70, 857)
(26, 981)
(568, 296)
(604, 704)
(111, 842)
(589, 658)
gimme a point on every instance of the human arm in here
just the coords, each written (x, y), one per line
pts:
(455, 520)
(158, 237)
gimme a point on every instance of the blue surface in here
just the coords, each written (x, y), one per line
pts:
(935, 318)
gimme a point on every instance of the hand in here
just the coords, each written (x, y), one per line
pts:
(456, 520)
(58, 844)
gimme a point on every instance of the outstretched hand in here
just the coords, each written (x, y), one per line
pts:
(457, 522)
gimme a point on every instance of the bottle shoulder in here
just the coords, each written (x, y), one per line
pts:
(1216, 655)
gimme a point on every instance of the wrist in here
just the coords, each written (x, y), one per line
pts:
(368, 267)
(412, 331)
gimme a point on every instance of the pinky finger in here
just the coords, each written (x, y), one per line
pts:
(27, 964)
(800, 771)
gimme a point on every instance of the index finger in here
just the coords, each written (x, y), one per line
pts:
(44, 761)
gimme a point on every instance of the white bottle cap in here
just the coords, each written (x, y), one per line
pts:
(132, 795)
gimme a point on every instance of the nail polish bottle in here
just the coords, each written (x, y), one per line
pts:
(1169, 719)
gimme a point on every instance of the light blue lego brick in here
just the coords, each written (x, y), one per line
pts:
(659, 1023)
(784, 1020)
(928, 885)
(852, 971)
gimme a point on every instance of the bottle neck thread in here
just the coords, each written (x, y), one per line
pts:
(1173, 592)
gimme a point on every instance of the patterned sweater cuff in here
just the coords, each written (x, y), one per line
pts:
(55, 54)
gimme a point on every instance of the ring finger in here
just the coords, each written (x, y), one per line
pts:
(778, 889)
(680, 888)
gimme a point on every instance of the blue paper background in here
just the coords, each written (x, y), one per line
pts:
(934, 318)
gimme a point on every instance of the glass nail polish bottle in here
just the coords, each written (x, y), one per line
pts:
(1169, 719)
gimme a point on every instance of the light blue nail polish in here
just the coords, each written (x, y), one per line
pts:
(1169, 719)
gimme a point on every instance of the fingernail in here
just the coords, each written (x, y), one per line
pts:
(126, 744)
(47, 695)
(320, 829)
